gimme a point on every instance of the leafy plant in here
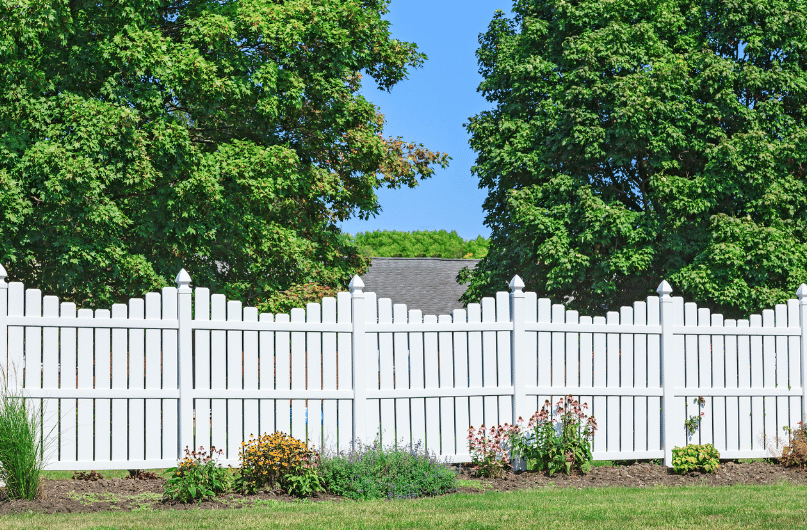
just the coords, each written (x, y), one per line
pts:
(695, 457)
(197, 476)
(694, 422)
(375, 472)
(794, 454)
(304, 481)
(22, 443)
(489, 452)
(556, 444)
(272, 459)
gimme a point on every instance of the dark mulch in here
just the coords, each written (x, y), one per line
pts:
(128, 494)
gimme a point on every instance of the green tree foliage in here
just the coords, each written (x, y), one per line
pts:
(638, 141)
(417, 244)
(227, 138)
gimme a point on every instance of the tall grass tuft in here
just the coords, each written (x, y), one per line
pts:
(21, 449)
(376, 472)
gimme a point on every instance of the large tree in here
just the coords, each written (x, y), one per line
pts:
(643, 140)
(225, 137)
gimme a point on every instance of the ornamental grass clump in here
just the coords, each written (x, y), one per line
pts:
(21, 447)
(376, 472)
(198, 476)
(278, 460)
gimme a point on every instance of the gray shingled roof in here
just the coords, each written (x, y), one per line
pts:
(428, 284)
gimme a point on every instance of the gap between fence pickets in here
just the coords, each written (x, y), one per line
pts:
(471, 368)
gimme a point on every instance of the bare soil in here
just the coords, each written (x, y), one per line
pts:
(125, 494)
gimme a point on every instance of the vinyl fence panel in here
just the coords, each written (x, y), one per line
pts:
(133, 386)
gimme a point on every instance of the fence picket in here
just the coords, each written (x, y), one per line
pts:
(170, 375)
(504, 371)
(251, 374)
(299, 424)
(103, 381)
(782, 402)
(757, 380)
(718, 382)
(418, 380)
(201, 365)
(120, 368)
(266, 376)
(599, 360)
(344, 372)
(153, 380)
(137, 377)
(654, 427)
(446, 377)
(732, 374)
(461, 380)
(329, 377)
(218, 374)
(794, 363)
(386, 374)
(84, 359)
(489, 368)
(705, 376)
(402, 367)
(626, 380)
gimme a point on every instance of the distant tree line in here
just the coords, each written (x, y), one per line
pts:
(420, 244)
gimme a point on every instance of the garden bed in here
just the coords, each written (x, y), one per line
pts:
(124, 494)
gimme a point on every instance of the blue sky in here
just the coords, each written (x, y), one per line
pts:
(430, 107)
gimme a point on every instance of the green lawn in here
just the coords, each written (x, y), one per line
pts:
(729, 507)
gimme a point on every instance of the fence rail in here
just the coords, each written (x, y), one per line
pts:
(130, 387)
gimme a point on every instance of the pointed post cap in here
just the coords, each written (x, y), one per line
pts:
(516, 285)
(3, 275)
(664, 289)
(356, 285)
(801, 293)
(183, 280)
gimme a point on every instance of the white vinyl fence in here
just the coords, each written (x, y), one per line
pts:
(132, 387)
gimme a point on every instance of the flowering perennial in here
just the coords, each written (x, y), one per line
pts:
(547, 443)
(273, 459)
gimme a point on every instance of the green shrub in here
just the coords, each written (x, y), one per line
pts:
(277, 459)
(21, 449)
(375, 472)
(696, 458)
(420, 244)
(197, 476)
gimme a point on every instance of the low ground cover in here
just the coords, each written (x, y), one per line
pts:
(545, 503)
(115, 492)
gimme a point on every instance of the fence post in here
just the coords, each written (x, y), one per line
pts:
(359, 360)
(517, 351)
(667, 400)
(4, 326)
(802, 294)
(184, 363)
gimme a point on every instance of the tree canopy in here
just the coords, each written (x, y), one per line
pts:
(225, 137)
(420, 243)
(632, 142)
